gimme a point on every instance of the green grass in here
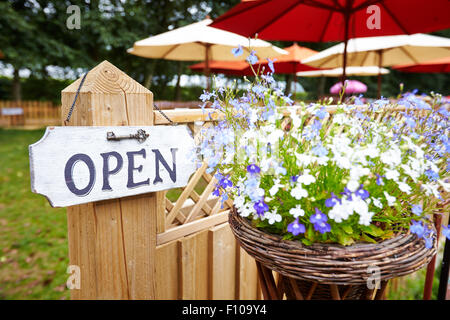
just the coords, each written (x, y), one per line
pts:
(33, 236)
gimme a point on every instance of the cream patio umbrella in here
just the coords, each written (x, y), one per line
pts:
(383, 51)
(337, 72)
(200, 42)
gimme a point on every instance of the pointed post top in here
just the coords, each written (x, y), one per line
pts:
(107, 78)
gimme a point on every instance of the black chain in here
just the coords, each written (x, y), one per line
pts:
(164, 115)
(69, 115)
(75, 100)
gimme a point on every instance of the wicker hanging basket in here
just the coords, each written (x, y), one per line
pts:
(328, 271)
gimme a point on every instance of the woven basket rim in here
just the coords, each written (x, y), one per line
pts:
(331, 262)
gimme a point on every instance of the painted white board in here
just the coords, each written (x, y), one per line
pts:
(74, 165)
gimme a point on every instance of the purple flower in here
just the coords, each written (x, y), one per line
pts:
(428, 242)
(319, 150)
(379, 180)
(416, 209)
(433, 176)
(296, 228)
(253, 169)
(321, 113)
(237, 51)
(225, 182)
(417, 228)
(216, 191)
(446, 231)
(252, 59)
(363, 194)
(318, 217)
(322, 227)
(270, 64)
(260, 207)
(331, 202)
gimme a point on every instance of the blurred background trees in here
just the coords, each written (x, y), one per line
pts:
(34, 37)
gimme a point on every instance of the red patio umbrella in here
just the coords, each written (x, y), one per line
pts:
(290, 63)
(231, 68)
(435, 66)
(333, 20)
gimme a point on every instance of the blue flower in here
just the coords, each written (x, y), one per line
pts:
(410, 122)
(321, 113)
(416, 209)
(319, 151)
(216, 191)
(379, 180)
(318, 217)
(363, 194)
(322, 227)
(428, 242)
(259, 90)
(205, 96)
(225, 182)
(270, 64)
(332, 201)
(237, 51)
(252, 58)
(417, 228)
(432, 175)
(296, 228)
(260, 207)
(253, 169)
(446, 231)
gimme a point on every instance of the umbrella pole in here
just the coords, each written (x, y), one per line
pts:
(380, 57)
(207, 70)
(347, 22)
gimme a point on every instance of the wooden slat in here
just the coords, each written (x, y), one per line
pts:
(185, 194)
(167, 262)
(202, 201)
(222, 262)
(193, 255)
(192, 227)
(247, 277)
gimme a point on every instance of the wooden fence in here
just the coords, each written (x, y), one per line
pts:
(39, 114)
(156, 246)
(29, 113)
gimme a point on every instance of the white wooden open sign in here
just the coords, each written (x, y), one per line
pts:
(74, 165)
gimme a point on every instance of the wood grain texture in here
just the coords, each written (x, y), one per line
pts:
(167, 271)
(113, 242)
(194, 270)
(222, 263)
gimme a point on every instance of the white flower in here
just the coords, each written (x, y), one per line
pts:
(392, 157)
(391, 174)
(272, 216)
(273, 191)
(359, 205)
(391, 200)
(247, 210)
(431, 189)
(303, 159)
(298, 192)
(341, 211)
(239, 201)
(297, 211)
(352, 185)
(366, 218)
(357, 172)
(306, 179)
(377, 203)
(404, 187)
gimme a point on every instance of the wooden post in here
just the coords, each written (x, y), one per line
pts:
(112, 242)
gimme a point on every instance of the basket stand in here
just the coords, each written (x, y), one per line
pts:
(295, 289)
